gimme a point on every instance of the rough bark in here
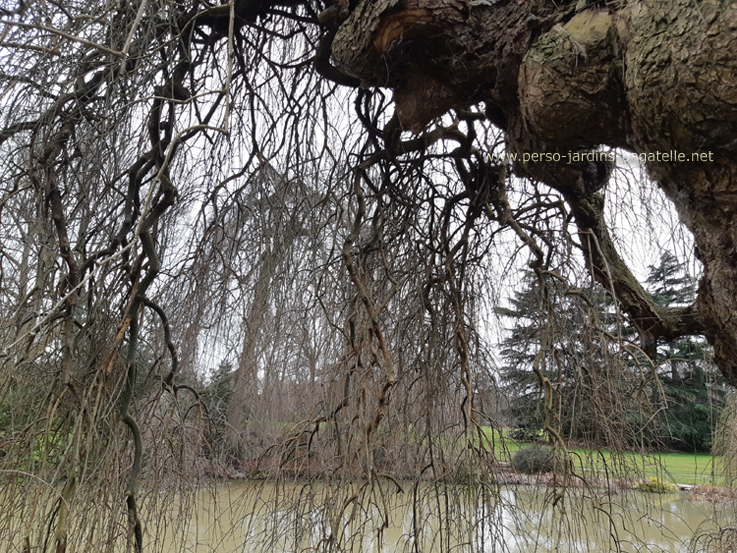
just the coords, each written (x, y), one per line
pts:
(650, 76)
(439, 54)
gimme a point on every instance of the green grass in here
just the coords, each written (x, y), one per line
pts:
(676, 467)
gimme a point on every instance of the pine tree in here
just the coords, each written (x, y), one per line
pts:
(692, 384)
(217, 395)
(577, 361)
(572, 359)
(518, 351)
(669, 281)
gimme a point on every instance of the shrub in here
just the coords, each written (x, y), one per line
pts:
(656, 485)
(526, 434)
(536, 459)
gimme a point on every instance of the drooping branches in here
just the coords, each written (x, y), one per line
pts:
(184, 190)
(556, 83)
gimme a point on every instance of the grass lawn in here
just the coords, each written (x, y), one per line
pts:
(679, 468)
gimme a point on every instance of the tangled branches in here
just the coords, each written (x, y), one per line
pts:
(183, 186)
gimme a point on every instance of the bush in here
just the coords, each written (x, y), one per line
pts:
(656, 485)
(526, 434)
(536, 459)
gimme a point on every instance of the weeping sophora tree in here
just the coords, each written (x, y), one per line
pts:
(308, 190)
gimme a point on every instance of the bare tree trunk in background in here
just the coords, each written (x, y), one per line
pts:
(246, 386)
(271, 270)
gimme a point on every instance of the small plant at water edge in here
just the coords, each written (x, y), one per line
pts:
(656, 485)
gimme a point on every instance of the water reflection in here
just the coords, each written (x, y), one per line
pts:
(247, 518)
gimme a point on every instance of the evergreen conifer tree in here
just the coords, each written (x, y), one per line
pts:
(693, 388)
(573, 359)
(692, 385)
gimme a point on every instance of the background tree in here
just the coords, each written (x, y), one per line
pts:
(591, 374)
(694, 389)
(518, 351)
(669, 281)
(688, 380)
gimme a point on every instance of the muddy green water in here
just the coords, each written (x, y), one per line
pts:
(243, 517)
(355, 516)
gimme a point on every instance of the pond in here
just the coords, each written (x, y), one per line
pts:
(248, 517)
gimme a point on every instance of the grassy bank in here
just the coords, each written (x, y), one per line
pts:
(675, 467)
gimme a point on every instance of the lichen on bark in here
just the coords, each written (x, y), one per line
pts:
(570, 82)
